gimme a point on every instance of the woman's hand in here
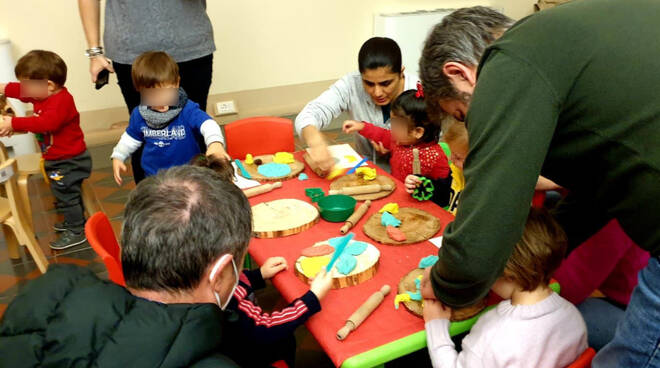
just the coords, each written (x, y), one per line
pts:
(98, 63)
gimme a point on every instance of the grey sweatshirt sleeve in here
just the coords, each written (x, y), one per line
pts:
(326, 107)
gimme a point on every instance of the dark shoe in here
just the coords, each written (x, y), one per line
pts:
(61, 226)
(68, 239)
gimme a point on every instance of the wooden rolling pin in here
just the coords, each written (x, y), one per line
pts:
(363, 312)
(417, 165)
(251, 192)
(355, 217)
(361, 189)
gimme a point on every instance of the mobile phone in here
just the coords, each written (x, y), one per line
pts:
(102, 78)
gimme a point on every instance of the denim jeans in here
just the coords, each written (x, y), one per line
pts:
(600, 330)
(636, 342)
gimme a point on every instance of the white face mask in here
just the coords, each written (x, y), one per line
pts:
(213, 271)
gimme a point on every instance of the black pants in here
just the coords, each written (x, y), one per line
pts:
(66, 178)
(195, 80)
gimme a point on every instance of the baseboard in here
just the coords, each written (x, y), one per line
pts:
(272, 101)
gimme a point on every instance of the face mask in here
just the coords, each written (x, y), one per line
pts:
(213, 271)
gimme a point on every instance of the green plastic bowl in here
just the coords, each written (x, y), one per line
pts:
(336, 207)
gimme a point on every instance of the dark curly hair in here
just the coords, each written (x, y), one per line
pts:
(413, 108)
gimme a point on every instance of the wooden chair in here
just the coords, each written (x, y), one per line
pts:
(259, 136)
(12, 216)
(32, 164)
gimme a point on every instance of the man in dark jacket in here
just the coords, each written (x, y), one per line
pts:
(570, 93)
(185, 232)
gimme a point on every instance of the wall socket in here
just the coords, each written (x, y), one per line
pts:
(225, 108)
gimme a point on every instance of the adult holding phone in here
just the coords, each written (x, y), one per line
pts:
(180, 28)
(365, 94)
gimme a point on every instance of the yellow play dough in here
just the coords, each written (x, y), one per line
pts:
(391, 207)
(350, 158)
(367, 173)
(283, 158)
(400, 298)
(248, 159)
(312, 265)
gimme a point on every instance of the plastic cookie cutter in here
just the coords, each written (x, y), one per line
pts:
(424, 190)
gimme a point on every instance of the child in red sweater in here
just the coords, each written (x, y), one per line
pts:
(56, 123)
(411, 128)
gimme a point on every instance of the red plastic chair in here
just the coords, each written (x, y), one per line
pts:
(101, 237)
(584, 360)
(259, 136)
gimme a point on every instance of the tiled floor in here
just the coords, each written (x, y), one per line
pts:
(16, 273)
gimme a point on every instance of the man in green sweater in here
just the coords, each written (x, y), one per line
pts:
(570, 93)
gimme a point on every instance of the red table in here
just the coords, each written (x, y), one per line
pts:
(385, 324)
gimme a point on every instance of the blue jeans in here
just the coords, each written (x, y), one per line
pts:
(601, 318)
(636, 342)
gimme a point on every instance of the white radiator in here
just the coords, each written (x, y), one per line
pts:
(409, 30)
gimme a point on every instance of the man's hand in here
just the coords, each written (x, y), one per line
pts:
(118, 167)
(411, 183)
(98, 63)
(433, 309)
(6, 129)
(378, 146)
(272, 267)
(217, 150)
(321, 283)
(351, 126)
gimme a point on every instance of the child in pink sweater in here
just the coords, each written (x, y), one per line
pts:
(533, 327)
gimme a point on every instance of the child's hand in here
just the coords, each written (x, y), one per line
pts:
(216, 149)
(321, 283)
(378, 146)
(272, 266)
(433, 309)
(6, 129)
(412, 182)
(351, 126)
(117, 168)
(425, 286)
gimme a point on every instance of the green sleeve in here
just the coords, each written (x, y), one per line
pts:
(511, 121)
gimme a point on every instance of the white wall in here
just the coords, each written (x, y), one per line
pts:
(261, 43)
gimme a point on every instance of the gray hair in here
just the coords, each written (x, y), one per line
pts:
(462, 36)
(177, 223)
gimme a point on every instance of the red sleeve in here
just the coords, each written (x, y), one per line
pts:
(441, 168)
(13, 90)
(377, 134)
(589, 265)
(49, 121)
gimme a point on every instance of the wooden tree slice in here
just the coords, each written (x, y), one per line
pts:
(282, 217)
(296, 168)
(367, 265)
(407, 283)
(418, 225)
(353, 180)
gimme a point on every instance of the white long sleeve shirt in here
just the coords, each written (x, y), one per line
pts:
(548, 334)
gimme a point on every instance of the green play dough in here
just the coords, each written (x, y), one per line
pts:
(346, 263)
(274, 170)
(428, 261)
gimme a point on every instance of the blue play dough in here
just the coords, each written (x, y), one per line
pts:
(428, 261)
(346, 263)
(303, 176)
(274, 170)
(386, 219)
(354, 248)
(415, 296)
